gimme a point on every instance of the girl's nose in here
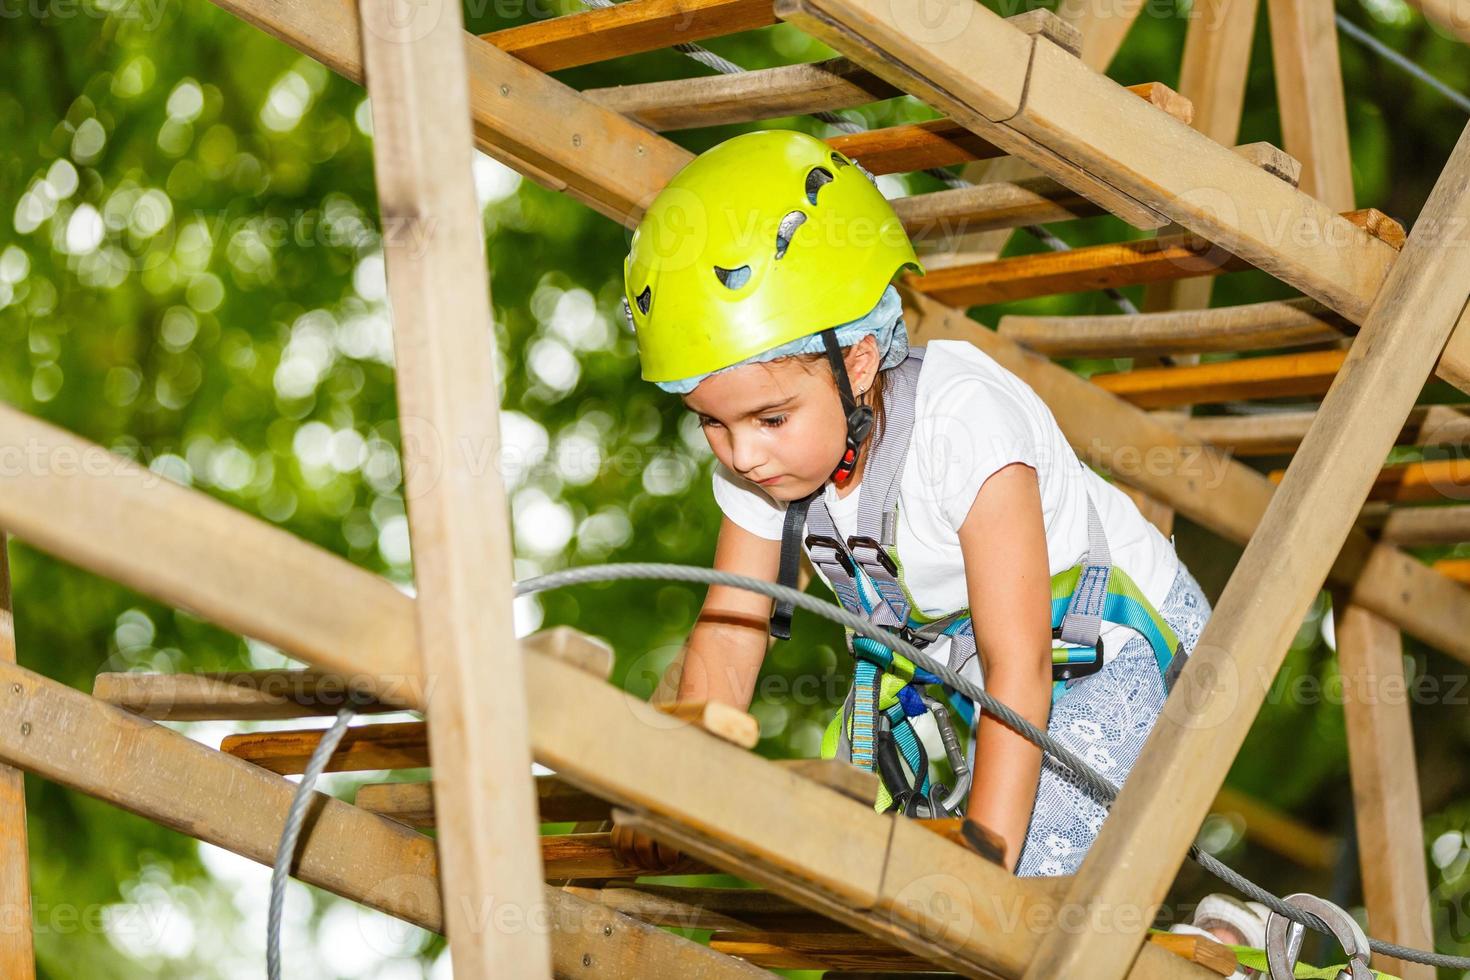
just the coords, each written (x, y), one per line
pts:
(746, 455)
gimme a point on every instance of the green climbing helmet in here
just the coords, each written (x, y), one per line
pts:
(762, 239)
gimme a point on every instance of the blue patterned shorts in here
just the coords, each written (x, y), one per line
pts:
(1104, 719)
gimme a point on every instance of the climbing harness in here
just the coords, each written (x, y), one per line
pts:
(874, 729)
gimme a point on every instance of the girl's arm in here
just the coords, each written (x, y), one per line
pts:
(1008, 580)
(730, 637)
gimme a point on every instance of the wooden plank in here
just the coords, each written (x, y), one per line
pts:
(558, 801)
(1310, 98)
(686, 907)
(458, 515)
(1027, 199)
(1432, 481)
(604, 33)
(1112, 265)
(1217, 695)
(1277, 376)
(1279, 433)
(1385, 780)
(1420, 526)
(749, 96)
(140, 766)
(408, 744)
(945, 142)
(1109, 266)
(249, 695)
(599, 855)
(17, 944)
(1252, 326)
(522, 118)
(398, 745)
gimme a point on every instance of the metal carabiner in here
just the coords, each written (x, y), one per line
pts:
(1284, 938)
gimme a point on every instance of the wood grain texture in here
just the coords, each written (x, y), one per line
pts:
(1385, 779)
(17, 943)
(602, 34)
(458, 515)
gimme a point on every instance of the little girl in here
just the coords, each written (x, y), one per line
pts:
(932, 489)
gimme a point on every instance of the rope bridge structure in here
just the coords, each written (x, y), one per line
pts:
(1041, 136)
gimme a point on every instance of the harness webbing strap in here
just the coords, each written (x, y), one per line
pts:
(790, 562)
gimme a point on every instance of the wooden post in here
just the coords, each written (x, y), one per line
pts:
(1217, 54)
(1309, 94)
(1385, 783)
(17, 951)
(414, 60)
(1136, 856)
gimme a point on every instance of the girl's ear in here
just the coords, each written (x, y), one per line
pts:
(862, 363)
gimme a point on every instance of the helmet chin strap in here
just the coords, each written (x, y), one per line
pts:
(859, 417)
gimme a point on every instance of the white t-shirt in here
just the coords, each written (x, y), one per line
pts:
(973, 416)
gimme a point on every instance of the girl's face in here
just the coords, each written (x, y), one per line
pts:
(780, 423)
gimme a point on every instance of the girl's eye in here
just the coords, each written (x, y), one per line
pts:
(705, 422)
(774, 421)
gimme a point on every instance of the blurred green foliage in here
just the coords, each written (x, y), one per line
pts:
(191, 274)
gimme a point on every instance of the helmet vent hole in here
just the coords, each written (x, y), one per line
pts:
(816, 179)
(789, 224)
(644, 299)
(733, 278)
(838, 160)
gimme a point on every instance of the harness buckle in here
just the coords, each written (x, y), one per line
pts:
(859, 542)
(1072, 671)
(839, 553)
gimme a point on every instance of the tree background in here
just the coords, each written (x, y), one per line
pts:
(191, 274)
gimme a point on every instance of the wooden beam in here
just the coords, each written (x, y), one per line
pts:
(557, 801)
(1279, 433)
(1430, 481)
(1113, 265)
(945, 142)
(1420, 526)
(1217, 695)
(17, 944)
(1385, 779)
(78, 742)
(458, 515)
(1309, 96)
(1277, 376)
(604, 33)
(522, 118)
(1253, 326)
(256, 695)
(749, 96)
(1027, 199)
(1087, 119)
